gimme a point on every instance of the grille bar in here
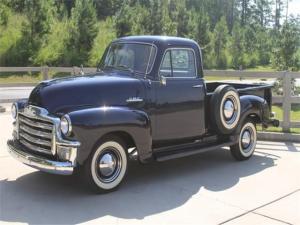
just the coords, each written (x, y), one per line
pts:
(36, 131)
(31, 131)
(35, 140)
(34, 147)
(36, 124)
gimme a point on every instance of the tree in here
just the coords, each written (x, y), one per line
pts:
(201, 29)
(286, 46)
(264, 46)
(124, 22)
(219, 44)
(107, 8)
(182, 20)
(39, 16)
(278, 12)
(170, 25)
(83, 30)
(262, 12)
(237, 47)
(4, 14)
(156, 15)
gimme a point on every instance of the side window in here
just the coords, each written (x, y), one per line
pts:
(178, 63)
(165, 68)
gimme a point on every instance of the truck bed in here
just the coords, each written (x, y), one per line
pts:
(261, 90)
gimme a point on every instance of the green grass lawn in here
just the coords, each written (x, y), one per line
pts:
(295, 116)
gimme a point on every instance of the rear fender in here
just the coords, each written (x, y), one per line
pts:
(255, 107)
(89, 125)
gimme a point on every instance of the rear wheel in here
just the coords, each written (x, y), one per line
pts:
(245, 147)
(106, 166)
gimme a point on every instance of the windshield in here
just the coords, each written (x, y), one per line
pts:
(129, 56)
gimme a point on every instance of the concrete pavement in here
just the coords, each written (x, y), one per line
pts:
(210, 188)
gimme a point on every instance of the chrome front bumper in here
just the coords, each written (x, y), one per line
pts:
(38, 162)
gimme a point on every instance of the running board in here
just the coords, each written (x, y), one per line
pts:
(167, 155)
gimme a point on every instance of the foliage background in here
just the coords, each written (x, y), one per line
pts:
(233, 34)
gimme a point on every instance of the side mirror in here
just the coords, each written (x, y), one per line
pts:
(163, 80)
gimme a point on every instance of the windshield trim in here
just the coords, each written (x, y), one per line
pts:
(142, 43)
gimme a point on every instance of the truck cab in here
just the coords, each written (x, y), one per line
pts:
(148, 99)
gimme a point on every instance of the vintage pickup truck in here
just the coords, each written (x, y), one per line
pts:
(148, 99)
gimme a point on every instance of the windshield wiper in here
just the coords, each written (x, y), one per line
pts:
(121, 67)
(125, 68)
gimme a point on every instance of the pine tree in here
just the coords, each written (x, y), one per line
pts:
(237, 48)
(83, 31)
(39, 16)
(182, 20)
(107, 8)
(170, 24)
(219, 44)
(278, 12)
(124, 21)
(263, 12)
(156, 15)
(201, 29)
(286, 46)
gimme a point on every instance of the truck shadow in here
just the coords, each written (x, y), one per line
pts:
(39, 198)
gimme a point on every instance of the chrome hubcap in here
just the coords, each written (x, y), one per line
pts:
(228, 109)
(107, 164)
(246, 139)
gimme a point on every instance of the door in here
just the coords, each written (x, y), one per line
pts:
(179, 98)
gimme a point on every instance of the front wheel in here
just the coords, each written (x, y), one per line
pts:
(245, 147)
(106, 166)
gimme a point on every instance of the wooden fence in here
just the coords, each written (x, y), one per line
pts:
(286, 100)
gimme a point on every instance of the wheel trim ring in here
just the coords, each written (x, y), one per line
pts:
(233, 96)
(116, 172)
(250, 149)
(119, 178)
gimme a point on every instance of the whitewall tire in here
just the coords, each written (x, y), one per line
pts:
(245, 147)
(107, 165)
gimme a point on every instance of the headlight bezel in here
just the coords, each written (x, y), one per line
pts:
(14, 111)
(65, 125)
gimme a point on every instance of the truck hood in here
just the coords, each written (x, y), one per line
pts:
(62, 95)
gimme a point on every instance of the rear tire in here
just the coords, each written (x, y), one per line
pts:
(106, 166)
(245, 147)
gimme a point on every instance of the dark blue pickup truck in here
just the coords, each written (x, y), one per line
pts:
(148, 99)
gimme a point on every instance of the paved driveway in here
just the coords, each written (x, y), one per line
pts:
(207, 189)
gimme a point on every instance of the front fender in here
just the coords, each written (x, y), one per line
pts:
(89, 125)
(253, 106)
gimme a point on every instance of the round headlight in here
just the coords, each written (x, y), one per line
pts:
(65, 125)
(14, 111)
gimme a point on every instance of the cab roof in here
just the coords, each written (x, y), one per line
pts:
(159, 40)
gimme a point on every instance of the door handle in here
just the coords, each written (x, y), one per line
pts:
(198, 86)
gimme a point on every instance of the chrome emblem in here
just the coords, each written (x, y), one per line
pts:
(134, 99)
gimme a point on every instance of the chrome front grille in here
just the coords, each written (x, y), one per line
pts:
(36, 133)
